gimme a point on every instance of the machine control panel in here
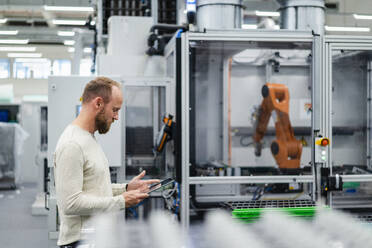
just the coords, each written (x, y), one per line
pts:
(321, 149)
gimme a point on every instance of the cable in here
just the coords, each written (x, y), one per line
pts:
(278, 199)
(177, 200)
(243, 138)
(133, 209)
(254, 198)
(169, 192)
(259, 192)
(134, 212)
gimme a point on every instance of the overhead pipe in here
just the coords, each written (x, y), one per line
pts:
(302, 15)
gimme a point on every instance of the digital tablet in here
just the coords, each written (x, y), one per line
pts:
(161, 184)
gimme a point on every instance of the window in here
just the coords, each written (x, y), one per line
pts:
(62, 67)
(4, 68)
(31, 68)
(85, 67)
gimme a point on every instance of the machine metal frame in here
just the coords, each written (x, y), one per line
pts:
(241, 36)
(346, 43)
(145, 82)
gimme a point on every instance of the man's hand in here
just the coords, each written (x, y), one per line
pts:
(142, 185)
(133, 197)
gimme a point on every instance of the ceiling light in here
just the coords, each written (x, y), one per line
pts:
(24, 55)
(347, 29)
(267, 13)
(66, 33)
(69, 42)
(363, 17)
(87, 50)
(249, 26)
(17, 49)
(71, 49)
(3, 20)
(68, 8)
(30, 60)
(13, 41)
(69, 22)
(8, 32)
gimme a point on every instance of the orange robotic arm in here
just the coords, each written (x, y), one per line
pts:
(286, 149)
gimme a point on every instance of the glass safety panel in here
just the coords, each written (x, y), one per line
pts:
(350, 112)
(144, 111)
(351, 126)
(250, 108)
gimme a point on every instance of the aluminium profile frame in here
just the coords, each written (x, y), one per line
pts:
(350, 43)
(243, 36)
(143, 82)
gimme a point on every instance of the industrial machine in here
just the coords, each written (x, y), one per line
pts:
(10, 112)
(216, 148)
(286, 148)
(34, 158)
(11, 149)
(219, 68)
(348, 161)
(13, 136)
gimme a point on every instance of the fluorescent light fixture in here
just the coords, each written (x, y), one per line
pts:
(347, 29)
(13, 41)
(68, 8)
(24, 55)
(363, 17)
(31, 60)
(87, 50)
(69, 22)
(66, 33)
(249, 26)
(3, 20)
(69, 42)
(17, 49)
(267, 13)
(8, 32)
(71, 49)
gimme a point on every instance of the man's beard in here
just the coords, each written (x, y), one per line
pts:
(102, 124)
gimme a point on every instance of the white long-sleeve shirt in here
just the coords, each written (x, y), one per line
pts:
(83, 184)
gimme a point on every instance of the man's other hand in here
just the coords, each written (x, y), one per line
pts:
(133, 197)
(142, 185)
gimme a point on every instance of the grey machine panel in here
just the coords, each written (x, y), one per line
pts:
(64, 98)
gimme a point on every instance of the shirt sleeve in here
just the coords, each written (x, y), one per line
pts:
(69, 166)
(118, 188)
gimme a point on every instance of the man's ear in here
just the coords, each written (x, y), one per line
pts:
(98, 102)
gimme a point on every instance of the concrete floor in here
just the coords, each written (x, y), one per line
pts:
(18, 228)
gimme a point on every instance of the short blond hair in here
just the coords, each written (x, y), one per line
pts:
(99, 87)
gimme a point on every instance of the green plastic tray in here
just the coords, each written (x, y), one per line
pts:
(253, 214)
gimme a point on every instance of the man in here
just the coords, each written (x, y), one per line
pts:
(82, 175)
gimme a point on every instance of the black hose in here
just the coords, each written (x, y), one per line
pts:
(161, 39)
(168, 27)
